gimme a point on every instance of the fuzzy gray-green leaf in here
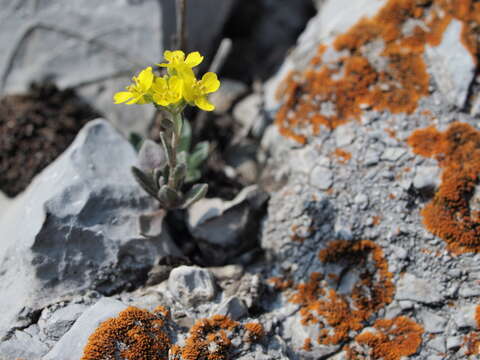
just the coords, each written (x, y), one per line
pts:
(179, 175)
(145, 181)
(186, 138)
(193, 175)
(199, 154)
(196, 193)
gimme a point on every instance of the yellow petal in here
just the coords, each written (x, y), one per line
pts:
(160, 100)
(193, 59)
(160, 84)
(175, 84)
(188, 91)
(174, 56)
(204, 104)
(122, 96)
(136, 100)
(145, 78)
(210, 82)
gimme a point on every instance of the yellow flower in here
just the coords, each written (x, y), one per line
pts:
(136, 92)
(195, 91)
(167, 90)
(178, 64)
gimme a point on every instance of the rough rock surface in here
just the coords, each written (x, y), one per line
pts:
(358, 185)
(76, 228)
(95, 48)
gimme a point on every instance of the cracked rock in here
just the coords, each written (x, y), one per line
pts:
(82, 230)
(233, 308)
(465, 316)
(452, 65)
(71, 345)
(427, 178)
(191, 285)
(432, 322)
(409, 287)
(321, 177)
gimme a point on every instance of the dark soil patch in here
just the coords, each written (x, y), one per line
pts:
(34, 129)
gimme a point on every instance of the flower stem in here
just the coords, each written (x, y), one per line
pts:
(175, 133)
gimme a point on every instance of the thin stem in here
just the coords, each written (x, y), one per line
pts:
(181, 25)
(176, 133)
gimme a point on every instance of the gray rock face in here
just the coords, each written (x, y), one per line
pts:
(233, 307)
(335, 17)
(4, 203)
(393, 154)
(465, 317)
(426, 178)
(225, 229)
(377, 194)
(72, 343)
(344, 135)
(248, 113)
(191, 285)
(56, 324)
(321, 177)
(409, 287)
(76, 228)
(22, 345)
(452, 65)
(433, 323)
(97, 47)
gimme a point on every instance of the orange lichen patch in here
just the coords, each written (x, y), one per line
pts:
(332, 93)
(307, 344)
(210, 339)
(206, 332)
(135, 334)
(342, 155)
(297, 237)
(281, 284)
(425, 141)
(392, 133)
(254, 331)
(448, 215)
(343, 314)
(477, 317)
(376, 220)
(472, 340)
(393, 339)
(392, 196)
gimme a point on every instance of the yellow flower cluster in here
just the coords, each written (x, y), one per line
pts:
(175, 89)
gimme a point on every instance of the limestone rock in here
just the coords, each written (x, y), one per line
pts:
(409, 287)
(191, 285)
(76, 228)
(464, 317)
(72, 343)
(452, 65)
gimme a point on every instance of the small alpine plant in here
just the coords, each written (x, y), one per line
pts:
(166, 169)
